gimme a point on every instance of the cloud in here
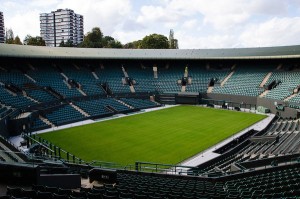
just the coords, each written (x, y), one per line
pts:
(277, 31)
(106, 14)
(197, 23)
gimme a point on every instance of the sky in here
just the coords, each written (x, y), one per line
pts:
(197, 24)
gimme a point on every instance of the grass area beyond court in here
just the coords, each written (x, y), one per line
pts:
(165, 136)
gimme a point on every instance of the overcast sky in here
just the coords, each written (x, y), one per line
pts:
(196, 23)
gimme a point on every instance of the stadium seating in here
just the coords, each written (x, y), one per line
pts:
(89, 84)
(289, 81)
(49, 76)
(143, 76)
(93, 107)
(244, 81)
(38, 124)
(139, 103)
(202, 76)
(113, 74)
(14, 100)
(63, 115)
(167, 79)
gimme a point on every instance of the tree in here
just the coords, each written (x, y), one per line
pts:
(9, 36)
(17, 40)
(34, 41)
(69, 43)
(155, 41)
(133, 45)
(93, 39)
(110, 42)
(10, 39)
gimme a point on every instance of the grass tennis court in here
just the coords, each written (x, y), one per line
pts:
(165, 136)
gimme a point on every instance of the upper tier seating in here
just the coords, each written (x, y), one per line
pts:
(143, 76)
(48, 76)
(113, 74)
(295, 99)
(244, 81)
(89, 84)
(14, 76)
(167, 79)
(201, 78)
(40, 95)
(289, 81)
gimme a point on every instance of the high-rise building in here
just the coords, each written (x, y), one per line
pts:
(61, 25)
(2, 32)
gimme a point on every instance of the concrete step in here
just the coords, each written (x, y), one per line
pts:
(210, 89)
(265, 79)
(46, 121)
(183, 88)
(80, 110)
(263, 94)
(227, 78)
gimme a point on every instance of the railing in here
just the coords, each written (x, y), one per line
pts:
(49, 150)
(166, 168)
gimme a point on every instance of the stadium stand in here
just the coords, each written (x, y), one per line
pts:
(244, 81)
(112, 75)
(64, 86)
(201, 77)
(289, 81)
(63, 115)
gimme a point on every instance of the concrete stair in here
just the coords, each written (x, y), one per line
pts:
(46, 121)
(290, 97)
(120, 101)
(227, 78)
(80, 110)
(95, 75)
(82, 92)
(183, 88)
(265, 79)
(263, 94)
(155, 75)
(210, 89)
(132, 89)
(30, 78)
(124, 72)
(65, 76)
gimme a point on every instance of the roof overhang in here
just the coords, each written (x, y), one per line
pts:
(23, 51)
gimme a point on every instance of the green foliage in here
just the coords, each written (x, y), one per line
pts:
(110, 42)
(133, 45)
(155, 41)
(34, 41)
(10, 39)
(69, 43)
(166, 136)
(93, 39)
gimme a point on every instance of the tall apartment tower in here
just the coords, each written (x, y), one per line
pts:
(61, 25)
(2, 32)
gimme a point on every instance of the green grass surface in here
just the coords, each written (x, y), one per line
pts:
(166, 136)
